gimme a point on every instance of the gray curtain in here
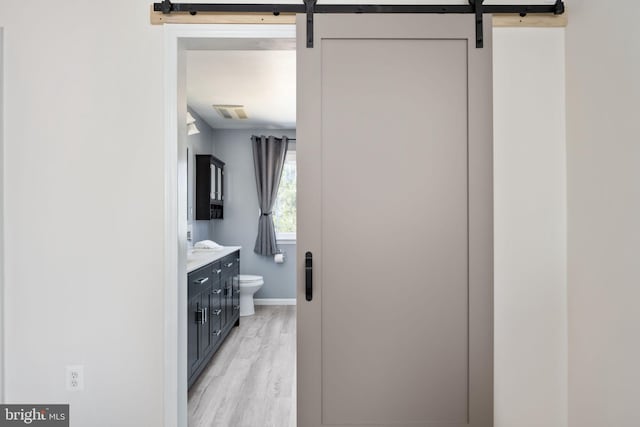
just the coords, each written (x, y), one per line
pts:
(268, 162)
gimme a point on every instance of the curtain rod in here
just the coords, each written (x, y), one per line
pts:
(310, 7)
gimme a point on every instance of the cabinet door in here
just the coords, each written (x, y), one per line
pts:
(219, 183)
(204, 186)
(206, 336)
(235, 277)
(229, 299)
(227, 274)
(193, 334)
(214, 183)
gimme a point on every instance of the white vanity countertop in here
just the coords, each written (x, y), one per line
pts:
(200, 258)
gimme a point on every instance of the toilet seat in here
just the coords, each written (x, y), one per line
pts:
(249, 278)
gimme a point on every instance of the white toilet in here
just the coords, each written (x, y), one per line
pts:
(249, 285)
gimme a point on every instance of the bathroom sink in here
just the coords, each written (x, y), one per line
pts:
(198, 254)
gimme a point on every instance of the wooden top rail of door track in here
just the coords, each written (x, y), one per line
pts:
(234, 17)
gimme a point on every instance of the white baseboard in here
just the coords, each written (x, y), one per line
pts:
(274, 301)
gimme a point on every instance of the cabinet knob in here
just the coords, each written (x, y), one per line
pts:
(202, 280)
(217, 333)
(216, 312)
(218, 271)
(217, 291)
(236, 307)
(229, 265)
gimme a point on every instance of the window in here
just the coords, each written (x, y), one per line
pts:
(284, 212)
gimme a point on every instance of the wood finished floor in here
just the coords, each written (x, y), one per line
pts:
(251, 380)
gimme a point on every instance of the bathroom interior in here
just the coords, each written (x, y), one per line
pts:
(241, 118)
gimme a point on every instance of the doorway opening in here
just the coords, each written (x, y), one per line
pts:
(230, 367)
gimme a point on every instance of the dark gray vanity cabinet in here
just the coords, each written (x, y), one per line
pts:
(213, 310)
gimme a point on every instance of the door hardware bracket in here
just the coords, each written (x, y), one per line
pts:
(311, 8)
(478, 11)
(558, 7)
(166, 7)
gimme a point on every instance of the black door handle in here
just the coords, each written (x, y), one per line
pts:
(308, 270)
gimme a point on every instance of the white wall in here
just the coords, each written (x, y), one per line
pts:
(530, 228)
(603, 95)
(84, 193)
(84, 201)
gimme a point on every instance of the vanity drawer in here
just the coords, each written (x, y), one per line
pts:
(199, 280)
(216, 274)
(217, 295)
(216, 322)
(229, 262)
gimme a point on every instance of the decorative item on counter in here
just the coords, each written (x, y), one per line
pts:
(207, 245)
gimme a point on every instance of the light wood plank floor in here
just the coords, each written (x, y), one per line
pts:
(251, 381)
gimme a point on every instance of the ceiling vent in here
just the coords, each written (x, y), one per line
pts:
(234, 112)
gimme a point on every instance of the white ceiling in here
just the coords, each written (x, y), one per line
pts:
(264, 81)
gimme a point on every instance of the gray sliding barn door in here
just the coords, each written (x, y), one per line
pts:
(395, 203)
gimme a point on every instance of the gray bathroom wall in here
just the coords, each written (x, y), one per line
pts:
(240, 223)
(201, 143)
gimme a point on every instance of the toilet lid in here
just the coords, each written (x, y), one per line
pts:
(245, 278)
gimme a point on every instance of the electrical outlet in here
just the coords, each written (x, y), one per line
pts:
(75, 378)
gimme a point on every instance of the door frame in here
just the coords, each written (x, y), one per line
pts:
(176, 38)
(2, 222)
